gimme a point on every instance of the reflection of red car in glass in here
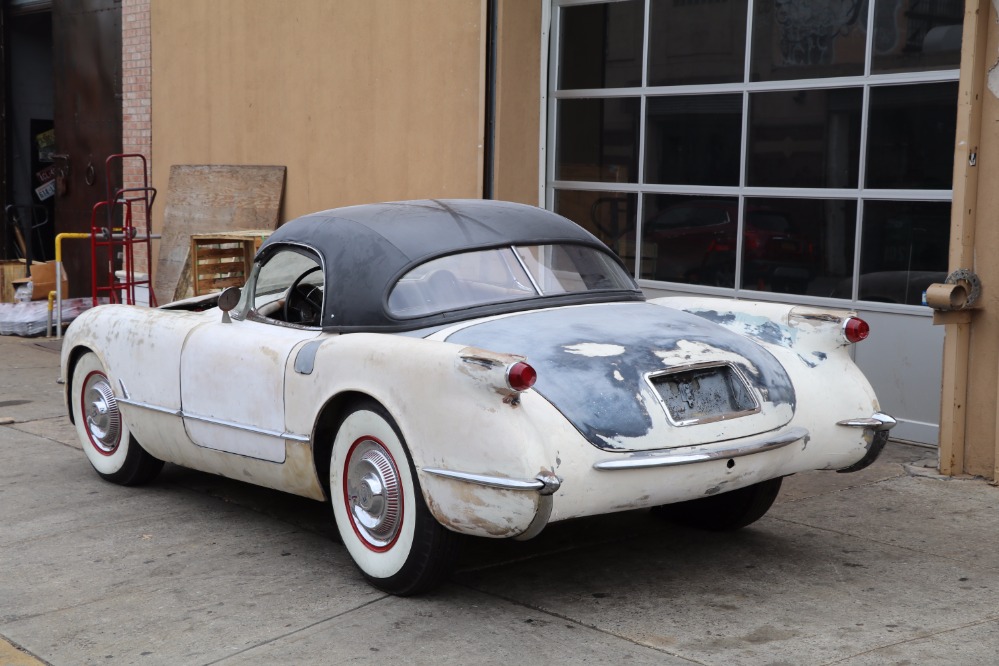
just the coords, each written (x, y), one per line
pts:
(696, 242)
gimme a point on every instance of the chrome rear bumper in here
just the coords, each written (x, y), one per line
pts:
(687, 455)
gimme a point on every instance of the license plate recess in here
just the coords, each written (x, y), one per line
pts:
(704, 393)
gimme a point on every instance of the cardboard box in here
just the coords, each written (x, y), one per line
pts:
(43, 280)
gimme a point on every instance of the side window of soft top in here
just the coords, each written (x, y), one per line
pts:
(289, 286)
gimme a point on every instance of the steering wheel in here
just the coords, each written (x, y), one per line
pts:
(304, 303)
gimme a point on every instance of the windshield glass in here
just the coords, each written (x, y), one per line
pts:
(504, 274)
(269, 285)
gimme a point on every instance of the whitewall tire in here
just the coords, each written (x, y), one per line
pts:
(379, 508)
(102, 431)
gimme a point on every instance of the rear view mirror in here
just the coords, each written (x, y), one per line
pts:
(228, 299)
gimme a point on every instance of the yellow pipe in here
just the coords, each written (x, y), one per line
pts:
(48, 329)
(58, 242)
(58, 259)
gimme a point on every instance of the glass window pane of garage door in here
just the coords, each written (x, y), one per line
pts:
(781, 147)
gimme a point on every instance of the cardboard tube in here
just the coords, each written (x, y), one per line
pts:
(946, 296)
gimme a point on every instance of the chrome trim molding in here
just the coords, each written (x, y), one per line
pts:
(876, 422)
(247, 428)
(695, 454)
(540, 521)
(550, 482)
(877, 444)
(544, 484)
(152, 408)
(206, 419)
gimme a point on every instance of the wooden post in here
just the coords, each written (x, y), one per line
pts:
(957, 339)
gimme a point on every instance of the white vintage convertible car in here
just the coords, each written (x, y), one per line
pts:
(445, 368)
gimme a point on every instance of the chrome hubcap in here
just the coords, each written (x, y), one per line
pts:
(102, 415)
(374, 493)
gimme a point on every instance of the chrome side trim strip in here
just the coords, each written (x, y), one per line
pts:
(152, 408)
(695, 454)
(206, 419)
(545, 485)
(877, 422)
(246, 428)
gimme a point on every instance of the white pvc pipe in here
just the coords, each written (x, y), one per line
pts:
(58, 303)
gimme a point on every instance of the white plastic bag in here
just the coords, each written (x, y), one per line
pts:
(23, 293)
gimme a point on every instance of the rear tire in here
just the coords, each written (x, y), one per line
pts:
(394, 540)
(104, 436)
(726, 511)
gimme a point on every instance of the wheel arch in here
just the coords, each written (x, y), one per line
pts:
(331, 414)
(73, 358)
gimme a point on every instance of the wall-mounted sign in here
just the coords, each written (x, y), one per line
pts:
(45, 175)
(46, 191)
(46, 145)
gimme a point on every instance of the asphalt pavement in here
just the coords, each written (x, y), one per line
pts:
(891, 565)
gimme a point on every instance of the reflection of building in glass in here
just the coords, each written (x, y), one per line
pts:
(911, 35)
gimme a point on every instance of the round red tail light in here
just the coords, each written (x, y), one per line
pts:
(520, 376)
(856, 329)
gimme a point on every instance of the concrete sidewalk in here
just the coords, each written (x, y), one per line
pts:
(890, 565)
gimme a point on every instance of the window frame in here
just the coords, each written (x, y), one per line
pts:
(247, 308)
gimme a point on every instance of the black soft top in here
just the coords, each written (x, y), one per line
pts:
(367, 248)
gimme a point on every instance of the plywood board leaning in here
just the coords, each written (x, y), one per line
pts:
(207, 199)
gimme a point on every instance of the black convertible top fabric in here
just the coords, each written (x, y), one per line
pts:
(367, 248)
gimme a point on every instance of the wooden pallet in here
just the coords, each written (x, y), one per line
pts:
(224, 259)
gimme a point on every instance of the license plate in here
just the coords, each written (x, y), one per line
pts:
(703, 394)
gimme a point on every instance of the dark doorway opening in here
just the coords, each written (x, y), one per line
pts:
(62, 94)
(29, 195)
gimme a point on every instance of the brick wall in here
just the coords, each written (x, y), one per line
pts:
(136, 104)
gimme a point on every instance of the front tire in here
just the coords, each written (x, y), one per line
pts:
(726, 511)
(104, 436)
(380, 513)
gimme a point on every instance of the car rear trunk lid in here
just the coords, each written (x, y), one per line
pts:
(639, 376)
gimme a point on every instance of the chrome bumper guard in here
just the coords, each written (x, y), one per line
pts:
(696, 454)
(544, 484)
(879, 424)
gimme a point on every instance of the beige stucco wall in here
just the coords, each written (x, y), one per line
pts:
(518, 101)
(362, 100)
